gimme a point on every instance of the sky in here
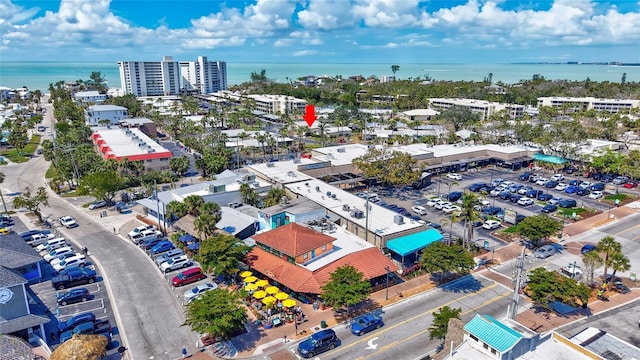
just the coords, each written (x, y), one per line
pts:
(321, 31)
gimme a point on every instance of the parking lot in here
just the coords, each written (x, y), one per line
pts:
(44, 295)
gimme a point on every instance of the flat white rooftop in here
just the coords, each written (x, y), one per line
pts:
(130, 142)
(284, 171)
(380, 219)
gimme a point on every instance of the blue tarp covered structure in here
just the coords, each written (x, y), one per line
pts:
(414, 242)
(186, 238)
(194, 246)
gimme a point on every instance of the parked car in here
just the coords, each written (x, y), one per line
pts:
(51, 244)
(175, 263)
(544, 252)
(555, 200)
(523, 190)
(62, 257)
(621, 288)
(545, 197)
(140, 229)
(435, 226)
(365, 324)
(561, 187)
(572, 189)
(583, 192)
(557, 177)
(525, 175)
(525, 201)
(491, 225)
(77, 260)
(551, 184)
(162, 246)
(585, 185)
(169, 254)
(454, 176)
(75, 321)
(567, 203)
(37, 239)
(198, 290)
(595, 195)
(619, 180)
(534, 178)
(549, 208)
(187, 277)
(150, 243)
(455, 196)
(572, 271)
(145, 235)
(542, 181)
(73, 278)
(587, 248)
(492, 210)
(597, 187)
(317, 343)
(100, 327)
(419, 210)
(450, 209)
(54, 254)
(73, 296)
(570, 169)
(630, 184)
(476, 187)
(68, 222)
(97, 204)
(533, 193)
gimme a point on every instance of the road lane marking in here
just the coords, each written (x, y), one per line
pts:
(396, 343)
(389, 328)
(627, 229)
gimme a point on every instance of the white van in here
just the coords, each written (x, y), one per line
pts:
(38, 239)
(50, 243)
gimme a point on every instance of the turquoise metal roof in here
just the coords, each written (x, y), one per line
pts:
(549, 158)
(414, 242)
(498, 335)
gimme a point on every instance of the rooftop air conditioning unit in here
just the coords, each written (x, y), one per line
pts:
(318, 188)
(398, 219)
(283, 200)
(333, 196)
(306, 184)
(346, 207)
(341, 150)
(270, 164)
(329, 193)
(357, 214)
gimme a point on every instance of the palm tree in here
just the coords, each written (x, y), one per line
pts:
(468, 214)
(193, 203)
(394, 69)
(450, 221)
(618, 262)
(609, 246)
(591, 260)
(175, 209)
(205, 225)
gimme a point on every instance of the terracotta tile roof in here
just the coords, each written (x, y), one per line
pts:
(371, 262)
(293, 239)
(293, 276)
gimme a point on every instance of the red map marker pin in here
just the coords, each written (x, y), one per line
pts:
(310, 115)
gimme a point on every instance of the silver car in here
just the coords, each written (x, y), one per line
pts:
(544, 252)
(168, 255)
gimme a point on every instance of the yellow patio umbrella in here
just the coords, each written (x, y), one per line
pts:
(269, 300)
(281, 296)
(251, 287)
(272, 290)
(289, 303)
(259, 294)
(250, 279)
(245, 274)
(262, 283)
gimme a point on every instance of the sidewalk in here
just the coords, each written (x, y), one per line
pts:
(606, 217)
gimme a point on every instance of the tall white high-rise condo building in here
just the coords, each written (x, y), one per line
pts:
(169, 77)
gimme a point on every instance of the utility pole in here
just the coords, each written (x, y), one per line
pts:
(386, 297)
(516, 292)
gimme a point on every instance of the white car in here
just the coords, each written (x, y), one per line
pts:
(450, 209)
(542, 181)
(561, 187)
(454, 176)
(419, 210)
(68, 222)
(97, 204)
(557, 177)
(595, 195)
(442, 204)
(491, 224)
(198, 290)
(495, 192)
(505, 184)
(51, 244)
(432, 202)
(175, 263)
(572, 271)
(63, 257)
(525, 201)
(54, 254)
(77, 260)
(140, 229)
(585, 185)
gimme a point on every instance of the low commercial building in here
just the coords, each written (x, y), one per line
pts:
(419, 115)
(113, 113)
(131, 144)
(483, 108)
(147, 126)
(278, 104)
(572, 104)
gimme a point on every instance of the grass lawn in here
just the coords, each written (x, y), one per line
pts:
(30, 149)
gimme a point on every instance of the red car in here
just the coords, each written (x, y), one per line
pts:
(188, 276)
(630, 184)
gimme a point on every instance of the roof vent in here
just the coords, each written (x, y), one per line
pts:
(398, 219)
(341, 150)
(357, 214)
(318, 188)
(270, 164)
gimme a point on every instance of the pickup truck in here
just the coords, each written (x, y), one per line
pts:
(73, 278)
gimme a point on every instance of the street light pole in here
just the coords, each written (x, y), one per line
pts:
(386, 297)
(155, 189)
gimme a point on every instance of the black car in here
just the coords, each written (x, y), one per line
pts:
(621, 288)
(476, 187)
(73, 296)
(505, 195)
(551, 184)
(545, 197)
(492, 210)
(567, 203)
(477, 223)
(515, 197)
(455, 196)
(487, 188)
(525, 175)
(549, 208)
(534, 193)
(583, 192)
(148, 244)
(570, 169)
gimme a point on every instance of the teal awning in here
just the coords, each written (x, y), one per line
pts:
(414, 242)
(549, 158)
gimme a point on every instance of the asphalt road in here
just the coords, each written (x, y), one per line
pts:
(148, 315)
(405, 334)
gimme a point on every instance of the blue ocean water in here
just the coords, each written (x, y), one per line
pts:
(38, 75)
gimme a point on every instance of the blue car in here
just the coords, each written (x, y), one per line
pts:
(318, 342)
(162, 246)
(572, 189)
(492, 210)
(597, 187)
(365, 324)
(545, 197)
(75, 321)
(551, 184)
(549, 208)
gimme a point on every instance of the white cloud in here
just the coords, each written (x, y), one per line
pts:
(305, 53)
(326, 15)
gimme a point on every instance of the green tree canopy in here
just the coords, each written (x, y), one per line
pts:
(249, 195)
(440, 258)
(545, 287)
(608, 246)
(218, 312)
(180, 165)
(440, 324)
(102, 184)
(346, 286)
(32, 202)
(221, 254)
(539, 227)
(391, 168)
